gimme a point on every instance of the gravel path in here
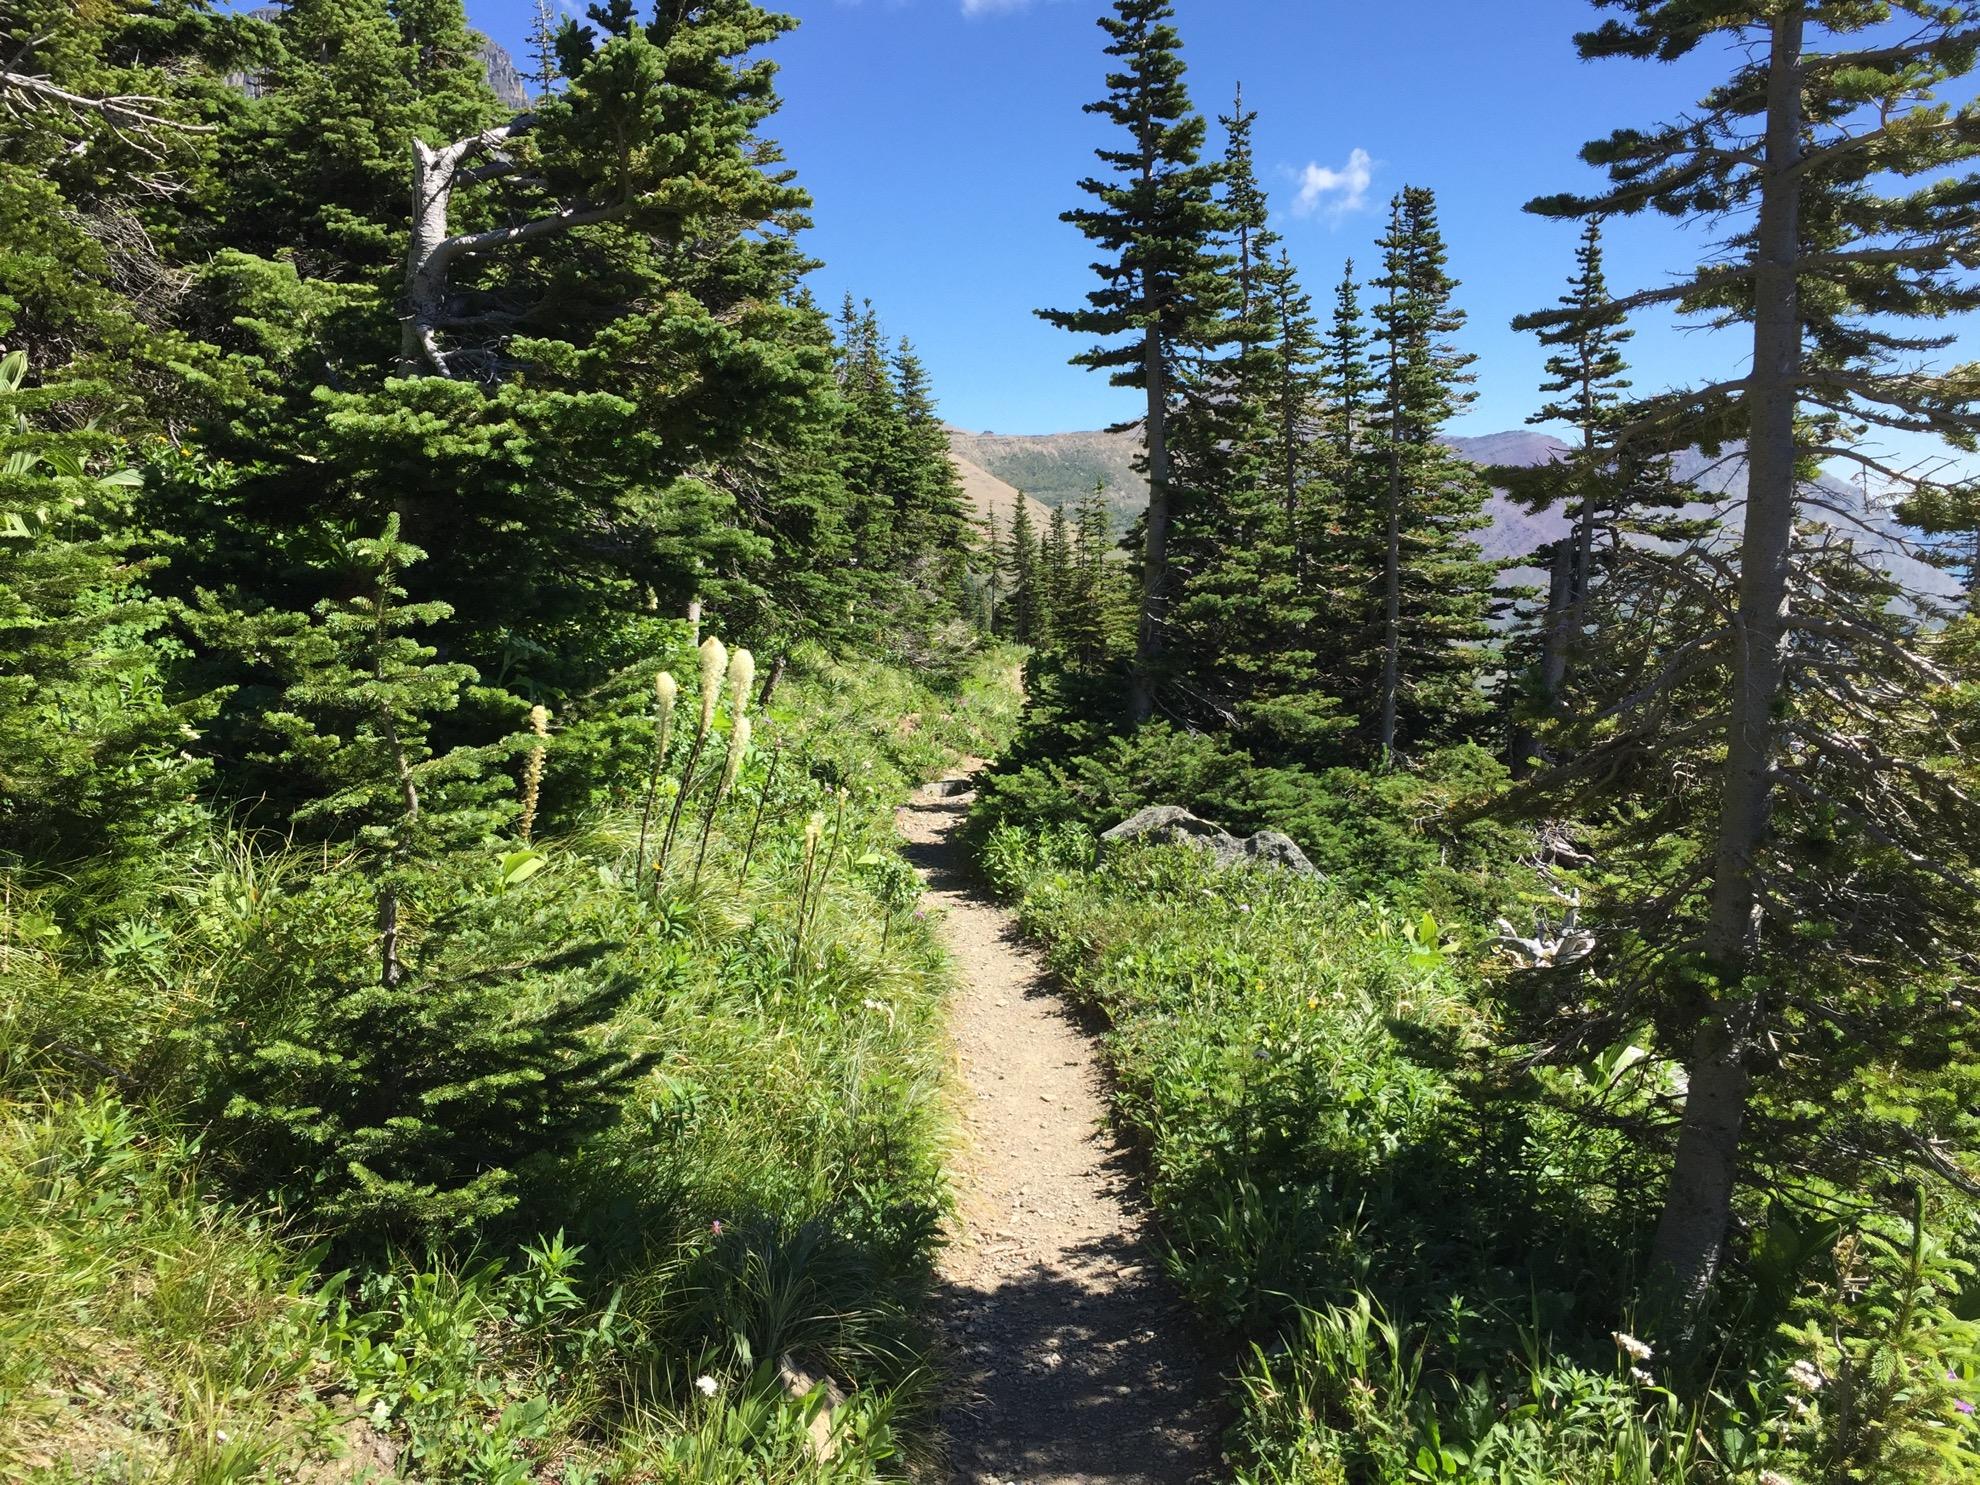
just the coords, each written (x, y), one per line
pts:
(1071, 1360)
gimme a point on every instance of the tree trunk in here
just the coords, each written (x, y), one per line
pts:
(1697, 1212)
(1155, 554)
(770, 684)
(426, 261)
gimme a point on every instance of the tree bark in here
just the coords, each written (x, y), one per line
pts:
(1691, 1234)
(433, 251)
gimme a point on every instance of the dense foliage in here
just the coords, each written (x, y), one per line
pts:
(419, 1053)
(1712, 781)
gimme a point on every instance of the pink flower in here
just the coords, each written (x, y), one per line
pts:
(716, 1227)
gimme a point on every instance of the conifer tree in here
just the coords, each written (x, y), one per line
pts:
(1055, 564)
(1587, 382)
(92, 763)
(1162, 294)
(1244, 616)
(544, 25)
(1028, 615)
(1436, 591)
(1853, 205)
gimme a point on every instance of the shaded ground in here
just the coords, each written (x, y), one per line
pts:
(1070, 1357)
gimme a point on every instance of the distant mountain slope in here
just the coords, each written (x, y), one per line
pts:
(1059, 468)
(984, 491)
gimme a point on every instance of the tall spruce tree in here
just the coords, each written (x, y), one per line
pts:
(1587, 382)
(1853, 205)
(1244, 617)
(1162, 294)
(1436, 590)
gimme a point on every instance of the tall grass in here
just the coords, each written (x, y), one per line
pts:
(765, 1205)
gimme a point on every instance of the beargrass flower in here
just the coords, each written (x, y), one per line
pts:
(714, 665)
(707, 1386)
(539, 723)
(666, 691)
(742, 675)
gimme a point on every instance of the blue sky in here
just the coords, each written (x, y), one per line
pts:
(942, 138)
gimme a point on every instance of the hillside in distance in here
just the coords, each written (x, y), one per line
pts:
(1059, 468)
(987, 495)
(1062, 468)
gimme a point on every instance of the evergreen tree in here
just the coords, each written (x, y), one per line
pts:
(1055, 568)
(544, 27)
(1436, 591)
(406, 1106)
(1245, 617)
(1027, 608)
(92, 761)
(1809, 148)
(1587, 382)
(1162, 296)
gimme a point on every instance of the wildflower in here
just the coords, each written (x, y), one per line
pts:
(716, 1227)
(707, 1386)
(666, 691)
(714, 665)
(1244, 907)
(539, 724)
(1631, 1346)
(1804, 1376)
(1963, 1406)
(1639, 1375)
(882, 1006)
(742, 675)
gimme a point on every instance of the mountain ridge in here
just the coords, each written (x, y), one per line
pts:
(1056, 468)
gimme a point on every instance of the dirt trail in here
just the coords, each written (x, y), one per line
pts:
(1071, 1359)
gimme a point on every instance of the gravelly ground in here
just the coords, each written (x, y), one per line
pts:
(1071, 1359)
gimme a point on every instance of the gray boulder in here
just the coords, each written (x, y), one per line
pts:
(1170, 825)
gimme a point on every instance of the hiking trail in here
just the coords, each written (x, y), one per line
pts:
(1071, 1360)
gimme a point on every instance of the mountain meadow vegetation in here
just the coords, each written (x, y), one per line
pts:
(468, 616)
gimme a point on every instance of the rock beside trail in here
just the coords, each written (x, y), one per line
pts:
(1170, 825)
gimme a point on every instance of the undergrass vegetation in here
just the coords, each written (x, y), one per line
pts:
(217, 1264)
(1421, 1247)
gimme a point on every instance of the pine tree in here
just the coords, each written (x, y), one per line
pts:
(1341, 545)
(1436, 591)
(1809, 150)
(404, 1102)
(1588, 380)
(1162, 293)
(1244, 618)
(1055, 565)
(92, 763)
(544, 26)
(1027, 607)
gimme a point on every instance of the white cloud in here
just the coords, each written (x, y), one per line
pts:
(992, 7)
(1338, 191)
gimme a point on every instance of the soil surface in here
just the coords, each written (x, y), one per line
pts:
(1070, 1357)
